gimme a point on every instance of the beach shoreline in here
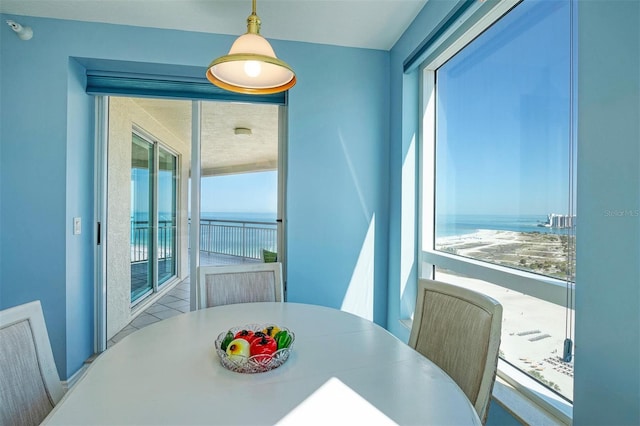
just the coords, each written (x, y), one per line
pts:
(537, 252)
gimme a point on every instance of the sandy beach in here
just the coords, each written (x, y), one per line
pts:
(537, 252)
(533, 331)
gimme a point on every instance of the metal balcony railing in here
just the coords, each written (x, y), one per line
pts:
(237, 238)
(231, 237)
(140, 231)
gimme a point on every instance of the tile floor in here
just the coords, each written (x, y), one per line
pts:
(175, 302)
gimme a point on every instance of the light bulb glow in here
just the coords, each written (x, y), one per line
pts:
(252, 68)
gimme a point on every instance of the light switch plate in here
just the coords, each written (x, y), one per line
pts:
(77, 225)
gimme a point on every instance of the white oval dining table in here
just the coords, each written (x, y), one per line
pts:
(342, 369)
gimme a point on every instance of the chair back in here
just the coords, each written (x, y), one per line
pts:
(459, 330)
(29, 383)
(242, 283)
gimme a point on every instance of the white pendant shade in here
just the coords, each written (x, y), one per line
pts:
(251, 65)
(252, 43)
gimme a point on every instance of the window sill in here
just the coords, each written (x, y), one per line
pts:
(528, 400)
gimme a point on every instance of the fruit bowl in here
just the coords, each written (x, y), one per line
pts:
(257, 363)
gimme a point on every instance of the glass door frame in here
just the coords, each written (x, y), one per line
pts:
(153, 216)
(100, 205)
(150, 242)
(163, 278)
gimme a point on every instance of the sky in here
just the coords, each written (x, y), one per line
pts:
(246, 192)
(502, 125)
(503, 117)
(240, 193)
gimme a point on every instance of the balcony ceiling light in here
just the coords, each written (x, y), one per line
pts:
(251, 67)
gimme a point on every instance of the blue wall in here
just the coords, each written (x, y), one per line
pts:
(607, 364)
(34, 158)
(338, 172)
(80, 203)
(338, 149)
(404, 124)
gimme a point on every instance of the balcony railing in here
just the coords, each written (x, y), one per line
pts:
(140, 231)
(237, 238)
(230, 237)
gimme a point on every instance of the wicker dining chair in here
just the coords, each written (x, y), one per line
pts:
(29, 383)
(253, 282)
(459, 330)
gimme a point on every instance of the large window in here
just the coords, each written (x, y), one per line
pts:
(497, 181)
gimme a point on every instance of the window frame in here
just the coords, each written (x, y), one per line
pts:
(471, 25)
(545, 288)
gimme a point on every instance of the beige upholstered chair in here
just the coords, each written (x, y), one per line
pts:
(29, 383)
(253, 282)
(459, 330)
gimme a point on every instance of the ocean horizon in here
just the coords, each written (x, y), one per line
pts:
(454, 225)
(446, 225)
(240, 216)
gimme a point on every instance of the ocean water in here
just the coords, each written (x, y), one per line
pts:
(451, 225)
(446, 226)
(238, 216)
(241, 216)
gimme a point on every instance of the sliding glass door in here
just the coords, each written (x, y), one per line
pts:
(167, 214)
(153, 216)
(142, 178)
(150, 167)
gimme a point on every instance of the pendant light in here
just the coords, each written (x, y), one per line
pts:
(251, 67)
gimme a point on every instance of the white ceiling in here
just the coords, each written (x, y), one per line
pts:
(222, 151)
(373, 24)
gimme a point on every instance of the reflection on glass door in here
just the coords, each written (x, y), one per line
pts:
(153, 216)
(167, 218)
(141, 217)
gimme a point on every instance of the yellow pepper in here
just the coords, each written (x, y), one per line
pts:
(271, 331)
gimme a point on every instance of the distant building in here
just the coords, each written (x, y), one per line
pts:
(559, 221)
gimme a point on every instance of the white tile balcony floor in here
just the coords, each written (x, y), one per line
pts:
(175, 302)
